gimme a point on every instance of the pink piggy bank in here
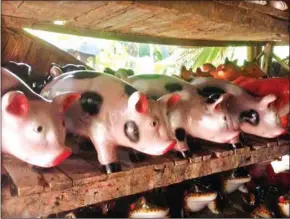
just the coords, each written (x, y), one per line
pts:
(32, 126)
(112, 113)
(188, 112)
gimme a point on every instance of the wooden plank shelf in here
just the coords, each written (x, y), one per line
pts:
(186, 23)
(79, 181)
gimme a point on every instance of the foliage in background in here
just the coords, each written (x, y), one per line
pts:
(145, 58)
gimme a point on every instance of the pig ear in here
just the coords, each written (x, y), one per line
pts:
(173, 100)
(214, 101)
(66, 100)
(55, 71)
(138, 102)
(198, 70)
(16, 103)
(270, 98)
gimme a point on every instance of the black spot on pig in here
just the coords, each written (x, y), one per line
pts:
(22, 70)
(131, 130)
(213, 98)
(129, 90)
(91, 102)
(70, 67)
(250, 116)
(173, 87)
(85, 74)
(208, 91)
(180, 134)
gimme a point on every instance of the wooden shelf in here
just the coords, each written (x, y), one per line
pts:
(186, 23)
(79, 181)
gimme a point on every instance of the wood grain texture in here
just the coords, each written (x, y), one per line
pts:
(161, 172)
(178, 20)
(25, 179)
(21, 46)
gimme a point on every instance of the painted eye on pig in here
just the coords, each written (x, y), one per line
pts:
(154, 123)
(39, 129)
(250, 116)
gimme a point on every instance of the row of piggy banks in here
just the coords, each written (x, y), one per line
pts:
(152, 114)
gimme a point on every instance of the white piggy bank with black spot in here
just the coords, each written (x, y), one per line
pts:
(112, 113)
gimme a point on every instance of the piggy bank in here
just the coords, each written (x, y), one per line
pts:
(269, 202)
(208, 67)
(36, 83)
(188, 112)
(264, 87)
(236, 179)
(112, 113)
(254, 115)
(252, 69)
(142, 208)
(198, 197)
(228, 71)
(33, 128)
(284, 205)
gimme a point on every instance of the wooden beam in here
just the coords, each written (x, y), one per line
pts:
(268, 56)
(8, 21)
(280, 61)
(267, 10)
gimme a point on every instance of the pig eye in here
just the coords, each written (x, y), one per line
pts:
(39, 129)
(225, 118)
(153, 123)
(63, 123)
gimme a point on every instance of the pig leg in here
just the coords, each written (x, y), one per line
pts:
(107, 151)
(235, 143)
(181, 148)
(192, 143)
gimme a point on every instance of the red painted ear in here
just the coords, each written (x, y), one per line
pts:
(18, 105)
(281, 199)
(173, 100)
(142, 106)
(132, 206)
(69, 100)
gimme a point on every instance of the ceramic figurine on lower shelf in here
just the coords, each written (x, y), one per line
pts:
(112, 113)
(33, 127)
(142, 208)
(197, 198)
(284, 205)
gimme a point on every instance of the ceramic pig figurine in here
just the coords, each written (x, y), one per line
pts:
(228, 71)
(254, 115)
(33, 128)
(253, 70)
(144, 209)
(264, 87)
(25, 72)
(189, 112)
(111, 113)
(197, 198)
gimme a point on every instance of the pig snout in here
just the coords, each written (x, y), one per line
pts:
(65, 153)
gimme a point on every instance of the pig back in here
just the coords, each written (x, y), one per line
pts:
(109, 89)
(11, 82)
(156, 86)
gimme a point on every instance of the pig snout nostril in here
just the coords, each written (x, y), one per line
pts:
(250, 116)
